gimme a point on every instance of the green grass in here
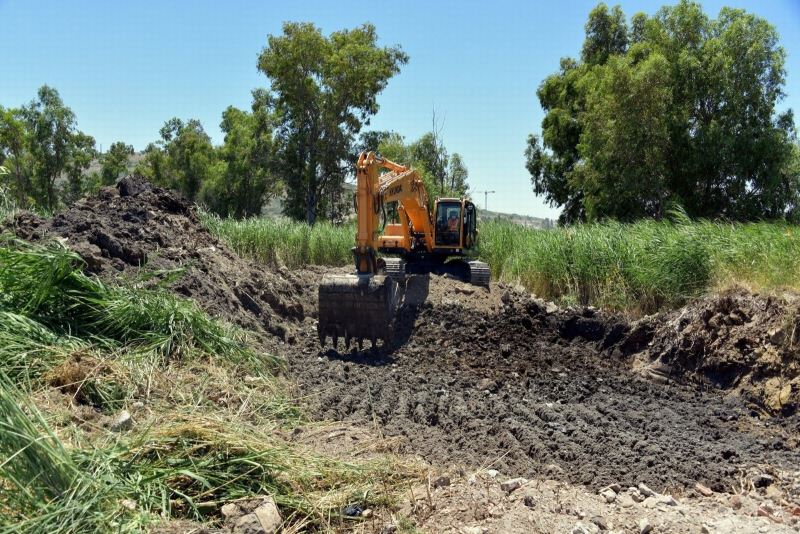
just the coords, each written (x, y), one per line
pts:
(45, 284)
(185, 468)
(283, 242)
(645, 266)
(640, 267)
(211, 433)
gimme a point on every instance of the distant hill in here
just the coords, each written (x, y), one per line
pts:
(523, 220)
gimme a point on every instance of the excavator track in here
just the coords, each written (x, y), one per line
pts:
(355, 308)
(479, 273)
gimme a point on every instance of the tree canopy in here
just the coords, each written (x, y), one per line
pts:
(324, 89)
(677, 109)
(444, 175)
(40, 143)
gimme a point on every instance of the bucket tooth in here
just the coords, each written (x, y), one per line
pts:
(356, 307)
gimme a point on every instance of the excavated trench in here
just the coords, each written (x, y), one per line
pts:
(479, 377)
(539, 394)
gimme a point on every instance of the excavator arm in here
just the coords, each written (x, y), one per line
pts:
(373, 191)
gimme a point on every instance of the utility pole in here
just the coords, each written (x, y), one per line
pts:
(485, 198)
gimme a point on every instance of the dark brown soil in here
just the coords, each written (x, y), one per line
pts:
(488, 378)
(138, 230)
(739, 342)
(539, 394)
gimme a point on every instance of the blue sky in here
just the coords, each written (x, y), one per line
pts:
(126, 67)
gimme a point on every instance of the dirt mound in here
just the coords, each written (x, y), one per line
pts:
(746, 344)
(139, 229)
(537, 393)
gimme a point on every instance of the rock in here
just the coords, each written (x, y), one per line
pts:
(128, 503)
(486, 384)
(123, 421)
(474, 530)
(136, 406)
(352, 511)
(650, 502)
(645, 526)
(441, 482)
(773, 492)
(616, 488)
(553, 470)
(367, 513)
(766, 511)
(389, 528)
(763, 480)
(705, 491)
(132, 185)
(625, 500)
(776, 336)
(90, 253)
(529, 501)
(647, 492)
(580, 529)
(550, 307)
(230, 510)
(247, 524)
(600, 522)
(669, 500)
(636, 495)
(736, 502)
(269, 516)
(609, 495)
(492, 473)
(510, 485)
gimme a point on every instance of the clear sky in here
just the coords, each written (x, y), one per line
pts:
(126, 67)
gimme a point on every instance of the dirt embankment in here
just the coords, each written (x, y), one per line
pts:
(489, 378)
(738, 342)
(141, 231)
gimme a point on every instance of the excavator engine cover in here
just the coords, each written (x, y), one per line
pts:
(356, 307)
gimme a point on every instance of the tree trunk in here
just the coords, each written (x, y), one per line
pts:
(311, 206)
(311, 188)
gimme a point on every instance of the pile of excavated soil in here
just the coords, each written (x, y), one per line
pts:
(746, 344)
(497, 378)
(138, 230)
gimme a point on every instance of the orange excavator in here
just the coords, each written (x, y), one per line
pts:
(420, 241)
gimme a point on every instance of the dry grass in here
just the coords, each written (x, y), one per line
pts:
(210, 421)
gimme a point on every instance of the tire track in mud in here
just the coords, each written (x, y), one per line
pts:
(510, 389)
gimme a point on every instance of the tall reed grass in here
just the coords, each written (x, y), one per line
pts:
(285, 242)
(641, 267)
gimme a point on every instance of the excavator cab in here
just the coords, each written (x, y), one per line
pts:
(456, 224)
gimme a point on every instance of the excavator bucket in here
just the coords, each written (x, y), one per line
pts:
(355, 308)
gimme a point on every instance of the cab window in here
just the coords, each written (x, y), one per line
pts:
(448, 224)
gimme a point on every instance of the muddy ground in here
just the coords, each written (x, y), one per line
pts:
(538, 394)
(490, 378)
